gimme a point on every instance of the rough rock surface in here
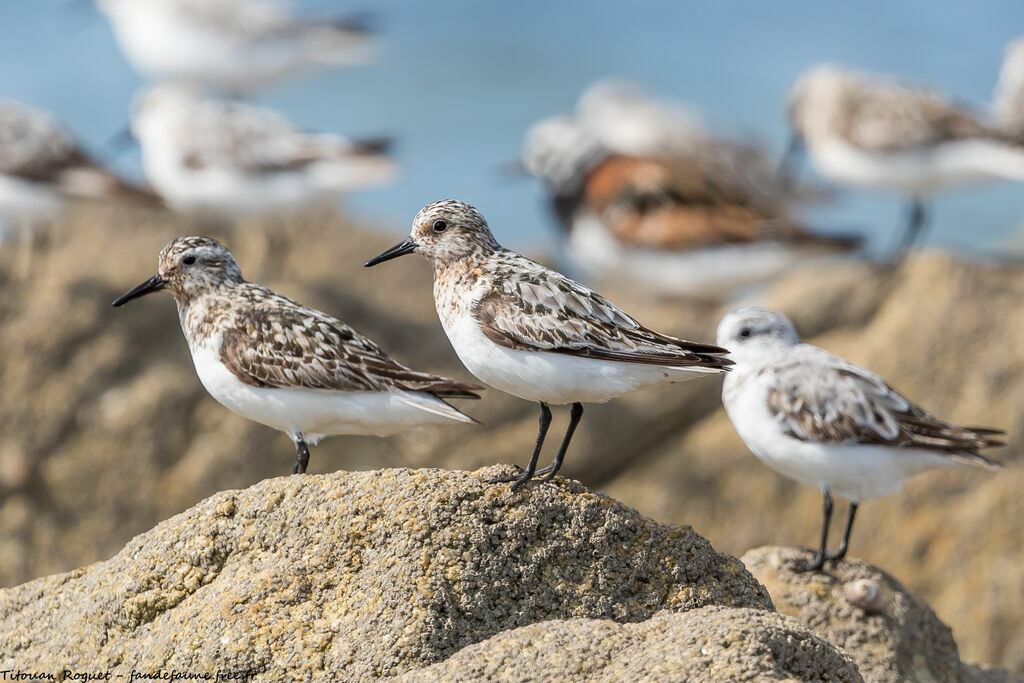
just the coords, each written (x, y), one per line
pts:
(708, 644)
(362, 575)
(891, 635)
(105, 430)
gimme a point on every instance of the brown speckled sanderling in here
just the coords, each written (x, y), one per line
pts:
(233, 45)
(293, 368)
(692, 220)
(823, 421)
(227, 157)
(877, 132)
(534, 333)
(41, 165)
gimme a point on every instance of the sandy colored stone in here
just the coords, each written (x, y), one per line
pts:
(708, 644)
(361, 575)
(898, 638)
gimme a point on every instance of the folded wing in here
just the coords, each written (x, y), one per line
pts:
(541, 310)
(820, 397)
(284, 344)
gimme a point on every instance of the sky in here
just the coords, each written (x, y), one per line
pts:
(458, 82)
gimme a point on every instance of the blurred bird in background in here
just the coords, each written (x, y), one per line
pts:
(1008, 97)
(42, 166)
(231, 45)
(877, 132)
(649, 196)
(228, 158)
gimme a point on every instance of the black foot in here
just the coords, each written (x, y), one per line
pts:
(521, 477)
(816, 564)
(836, 557)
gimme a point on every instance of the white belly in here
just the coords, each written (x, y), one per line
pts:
(711, 272)
(918, 171)
(552, 377)
(224, 189)
(852, 471)
(317, 412)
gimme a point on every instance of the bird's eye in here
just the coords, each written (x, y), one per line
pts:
(440, 226)
(188, 260)
(745, 333)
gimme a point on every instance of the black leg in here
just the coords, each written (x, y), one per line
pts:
(301, 455)
(545, 422)
(916, 223)
(841, 553)
(819, 557)
(574, 419)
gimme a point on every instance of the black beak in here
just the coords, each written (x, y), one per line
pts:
(789, 167)
(406, 246)
(153, 284)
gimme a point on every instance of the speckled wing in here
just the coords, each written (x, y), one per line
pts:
(278, 343)
(529, 307)
(819, 397)
(682, 204)
(252, 139)
(889, 117)
(33, 146)
(251, 20)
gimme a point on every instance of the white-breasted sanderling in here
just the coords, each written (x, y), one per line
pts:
(41, 165)
(534, 333)
(232, 45)
(823, 421)
(224, 157)
(876, 132)
(293, 368)
(1008, 96)
(684, 222)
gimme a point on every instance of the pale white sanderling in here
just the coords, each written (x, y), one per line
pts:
(41, 165)
(233, 45)
(293, 368)
(206, 154)
(876, 132)
(534, 333)
(1008, 96)
(823, 421)
(679, 223)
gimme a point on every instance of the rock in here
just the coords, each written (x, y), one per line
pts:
(363, 575)
(707, 644)
(897, 638)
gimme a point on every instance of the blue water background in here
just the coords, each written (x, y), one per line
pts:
(458, 82)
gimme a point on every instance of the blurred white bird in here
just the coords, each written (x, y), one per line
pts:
(41, 166)
(874, 131)
(1008, 98)
(232, 45)
(676, 223)
(229, 158)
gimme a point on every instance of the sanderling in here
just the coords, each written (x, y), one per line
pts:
(824, 421)
(534, 333)
(234, 45)
(873, 131)
(206, 154)
(680, 223)
(1008, 97)
(41, 165)
(293, 368)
